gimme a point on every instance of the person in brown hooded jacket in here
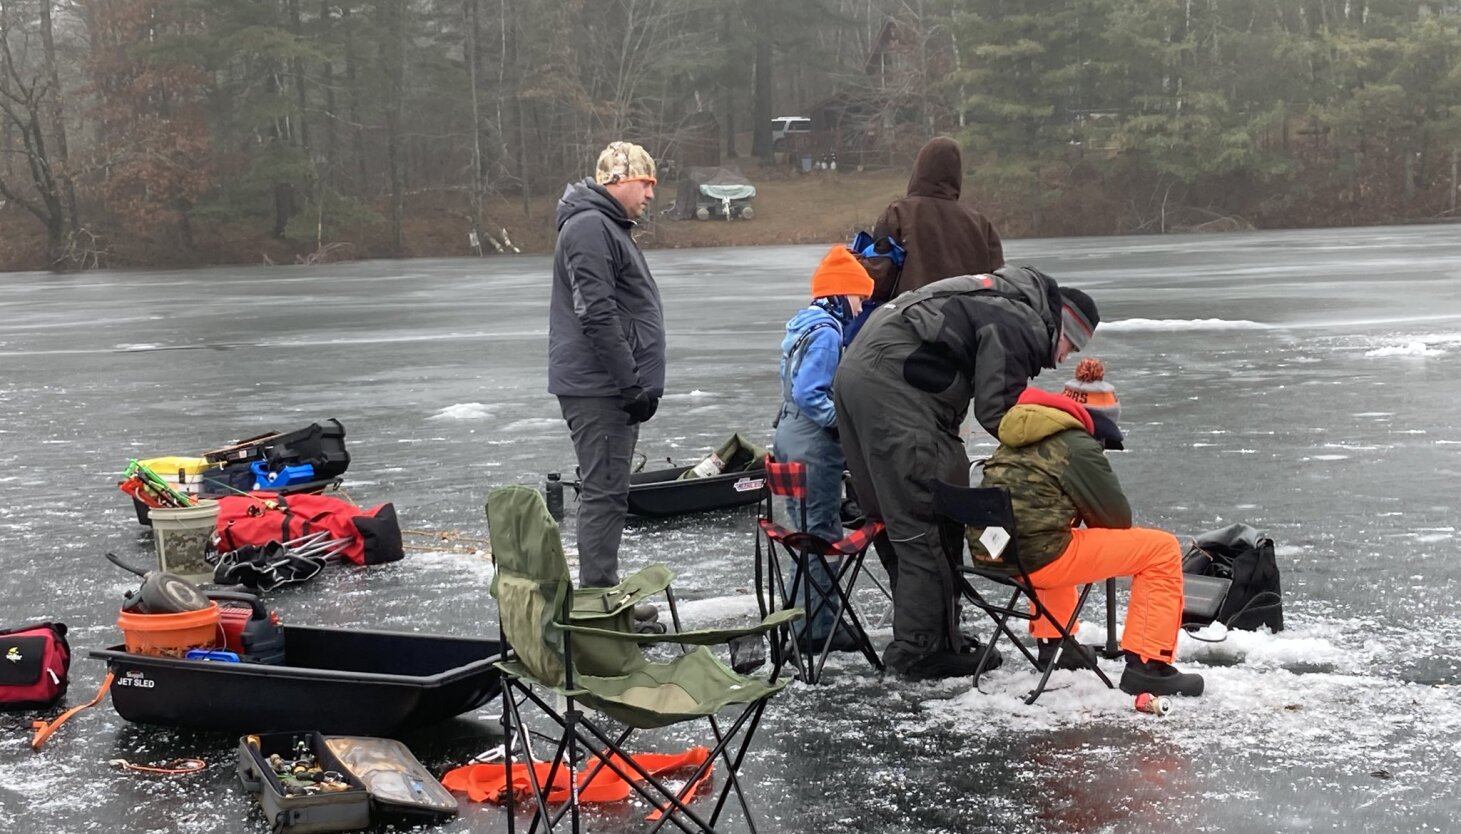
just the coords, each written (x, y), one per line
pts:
(942, 236)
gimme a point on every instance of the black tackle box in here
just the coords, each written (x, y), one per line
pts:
(346, 810)
(386, 781)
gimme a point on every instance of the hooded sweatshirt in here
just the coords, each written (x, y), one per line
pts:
(606, 330)
(1057, 477)
(809, 354)
(942, 236)
(972, 337)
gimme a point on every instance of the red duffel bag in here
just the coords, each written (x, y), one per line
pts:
(34, 662)
(258, 518)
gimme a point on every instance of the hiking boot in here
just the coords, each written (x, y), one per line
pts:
(971, 645)
(648, 627)
(946, 664)
(1159, 678)
(646, 612)
(1070, 659)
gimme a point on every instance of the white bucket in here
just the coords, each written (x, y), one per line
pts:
(183, 536)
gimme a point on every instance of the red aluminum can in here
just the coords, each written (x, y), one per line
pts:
(1153, 704)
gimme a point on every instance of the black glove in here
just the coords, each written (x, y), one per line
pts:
(637, 404)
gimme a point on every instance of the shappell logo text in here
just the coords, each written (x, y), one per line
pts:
(136, 679)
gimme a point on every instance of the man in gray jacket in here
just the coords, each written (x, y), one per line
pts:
(606, 345)
(902, 391)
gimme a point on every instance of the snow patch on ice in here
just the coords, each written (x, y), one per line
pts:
(1169, 325)
(705, 612)
(689, 395)
(463, 411)
(532, 423)
(1415, 348)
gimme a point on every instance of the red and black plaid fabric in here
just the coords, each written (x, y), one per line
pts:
(788, 480)
(859, 540)
(850, 545)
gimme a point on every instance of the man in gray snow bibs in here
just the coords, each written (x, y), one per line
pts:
(606, 344)
(901, 393)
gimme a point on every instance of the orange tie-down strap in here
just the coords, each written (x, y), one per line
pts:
(489, 782)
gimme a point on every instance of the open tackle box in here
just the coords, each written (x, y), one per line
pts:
(338, 783)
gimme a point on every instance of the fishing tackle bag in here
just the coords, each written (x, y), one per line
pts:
(1240, 553)
(34, 663)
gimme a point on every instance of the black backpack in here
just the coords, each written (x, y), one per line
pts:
(1240, 553)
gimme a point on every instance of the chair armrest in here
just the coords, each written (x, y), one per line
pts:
(606, 602)
(698, 637)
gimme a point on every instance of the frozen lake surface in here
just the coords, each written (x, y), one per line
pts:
(1302, 382)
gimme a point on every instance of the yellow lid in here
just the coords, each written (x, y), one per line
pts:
(168, 467)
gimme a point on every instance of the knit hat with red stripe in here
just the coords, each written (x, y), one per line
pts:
(1078, 317)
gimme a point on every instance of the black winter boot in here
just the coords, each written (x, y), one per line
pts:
(969, 644)
(1070, 659)
(1158, 678)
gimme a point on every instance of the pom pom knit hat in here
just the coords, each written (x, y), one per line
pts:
(1090, 389)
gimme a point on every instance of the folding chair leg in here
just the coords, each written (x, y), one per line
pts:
(786, 634)
(734, 769)
(539, 796)
(668, 801)
(632, 776)
(1065, 635)
(1111, 651)
(1003, 624)
(1001, 627)
(593, 771)
(878, 583)
(845, 579)
(508, 711)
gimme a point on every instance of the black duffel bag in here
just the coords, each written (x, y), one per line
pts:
(1240, 553)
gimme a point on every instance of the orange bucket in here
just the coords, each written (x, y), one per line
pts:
(171, 635)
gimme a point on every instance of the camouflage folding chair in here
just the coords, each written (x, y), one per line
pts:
(579, 644)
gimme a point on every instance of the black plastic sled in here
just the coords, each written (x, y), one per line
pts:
(659, 493)
(348, 681)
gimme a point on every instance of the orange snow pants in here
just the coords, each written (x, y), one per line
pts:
(1153, 560)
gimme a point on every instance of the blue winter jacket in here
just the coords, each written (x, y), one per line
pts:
(810, 352)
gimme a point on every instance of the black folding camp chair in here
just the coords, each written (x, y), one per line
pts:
(773, 590)
(990, 507)
(580, 645)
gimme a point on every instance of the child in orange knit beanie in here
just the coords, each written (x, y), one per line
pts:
(806, 426)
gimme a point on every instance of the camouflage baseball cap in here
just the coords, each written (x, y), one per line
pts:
(623, 161)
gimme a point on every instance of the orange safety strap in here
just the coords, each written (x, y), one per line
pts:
(490, 782)
(176, 767)
(44, 729)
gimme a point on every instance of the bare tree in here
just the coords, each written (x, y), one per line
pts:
(30, 101)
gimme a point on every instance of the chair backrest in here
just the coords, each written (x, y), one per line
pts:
(531, 585)
(979, 507)
(786, 480)
(532, 579)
